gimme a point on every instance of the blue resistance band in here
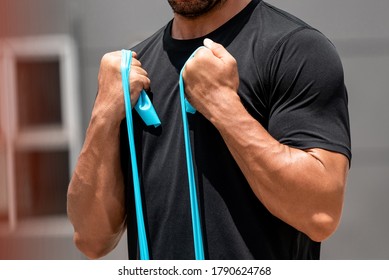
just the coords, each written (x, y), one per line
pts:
(146, 111)
(143, 106)
(186, 107)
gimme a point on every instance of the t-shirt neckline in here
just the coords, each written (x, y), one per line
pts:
(171, 44)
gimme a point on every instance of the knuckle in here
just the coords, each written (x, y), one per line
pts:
(107, 57)
(202, 54)
(146, 81)
(107, 60)
(232, 64)
(104, 59)
(189, 66)
(232, 61)
(111, 58)
(136, 62)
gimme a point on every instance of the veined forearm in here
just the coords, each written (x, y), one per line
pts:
(96, 192)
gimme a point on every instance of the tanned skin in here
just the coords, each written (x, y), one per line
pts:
(96, 191)
(304, 188)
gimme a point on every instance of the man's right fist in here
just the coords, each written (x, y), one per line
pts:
(110, 101)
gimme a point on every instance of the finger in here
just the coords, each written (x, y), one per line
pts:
(202, 55)
(146, 83)
(135, 62)
(140, 82)
(139, 70)
(218, 50)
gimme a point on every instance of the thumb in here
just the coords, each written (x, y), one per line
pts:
(217, 49)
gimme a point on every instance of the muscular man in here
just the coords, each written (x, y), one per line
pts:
(270, 139)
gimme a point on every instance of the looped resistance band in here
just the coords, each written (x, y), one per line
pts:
(146, 110)
(125, 71)
(196, 224)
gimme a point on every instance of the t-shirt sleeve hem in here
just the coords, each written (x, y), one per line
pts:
(323, 145)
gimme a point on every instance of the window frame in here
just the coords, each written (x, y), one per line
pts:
(43, 138)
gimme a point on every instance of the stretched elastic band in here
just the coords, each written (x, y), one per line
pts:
(150, 117)
(196, 224)
(125, 71)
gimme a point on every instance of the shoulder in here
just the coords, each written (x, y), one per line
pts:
(278, 34)
(287, 47)
(309, 51)
(277, 23)
(274, 13)
(151, 43)
(282, 29)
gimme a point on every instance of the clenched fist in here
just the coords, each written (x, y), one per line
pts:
(110, 101)
(212, 80)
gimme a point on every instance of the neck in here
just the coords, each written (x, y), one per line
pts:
(185, 28)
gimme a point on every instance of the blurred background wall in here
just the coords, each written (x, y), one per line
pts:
(60, 44)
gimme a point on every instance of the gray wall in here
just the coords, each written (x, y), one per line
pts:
(358, 28)
(360, 31)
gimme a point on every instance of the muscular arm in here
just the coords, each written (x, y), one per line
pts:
(95, 196)
(304, 188)
(96, 191)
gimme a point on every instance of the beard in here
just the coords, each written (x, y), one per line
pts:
(194, 8)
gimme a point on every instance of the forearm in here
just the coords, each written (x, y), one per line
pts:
(294, 185)
(96, 192)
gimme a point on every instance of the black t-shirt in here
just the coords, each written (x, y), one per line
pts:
(291, 81)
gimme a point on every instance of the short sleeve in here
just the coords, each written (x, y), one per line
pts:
(308, 102)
